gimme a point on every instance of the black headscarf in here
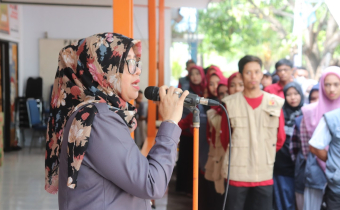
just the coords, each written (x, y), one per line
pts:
(290, 113)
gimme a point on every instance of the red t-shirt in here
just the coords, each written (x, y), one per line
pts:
(281, 137)
(276, 89)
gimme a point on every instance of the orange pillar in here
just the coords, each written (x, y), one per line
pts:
(123, 21)
(152, 77)
(161, 44)
(195, 170)
(123, 17)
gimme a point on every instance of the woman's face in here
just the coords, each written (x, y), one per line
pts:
(129, 82)
(332, 87)
(293, 97)
(213, 84)
(195, 77)
(236, 85)
(222, 92)
(314, 97)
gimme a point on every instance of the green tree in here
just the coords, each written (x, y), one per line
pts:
(176, 69)
(264, 28)
(232, 30)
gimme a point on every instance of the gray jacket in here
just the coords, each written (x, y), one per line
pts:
(333, 161)
(114, 174)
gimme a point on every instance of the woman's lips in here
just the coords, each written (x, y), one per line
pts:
(136, 87)
(135, 84)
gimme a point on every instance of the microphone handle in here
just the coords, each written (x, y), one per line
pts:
(191, 99)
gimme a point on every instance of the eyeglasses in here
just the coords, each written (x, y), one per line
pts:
(132, 66)
(282, 70)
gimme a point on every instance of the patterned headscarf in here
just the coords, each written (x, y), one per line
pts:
(89, 71)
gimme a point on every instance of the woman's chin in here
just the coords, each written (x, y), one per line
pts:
(133, 96)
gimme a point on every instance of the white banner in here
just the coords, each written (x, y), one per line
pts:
(14, 26)
(333, 6)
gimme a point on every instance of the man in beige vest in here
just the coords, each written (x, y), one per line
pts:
(257, 125)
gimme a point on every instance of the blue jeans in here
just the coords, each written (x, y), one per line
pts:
(284, 194)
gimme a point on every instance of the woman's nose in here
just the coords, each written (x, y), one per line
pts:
(138, 71)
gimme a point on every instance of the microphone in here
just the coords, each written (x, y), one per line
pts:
(152, 93)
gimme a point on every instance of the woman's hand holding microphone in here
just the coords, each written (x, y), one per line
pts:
(171, 105)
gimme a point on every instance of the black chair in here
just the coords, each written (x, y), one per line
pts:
(22, 121)
(34, 88)
(35, 121)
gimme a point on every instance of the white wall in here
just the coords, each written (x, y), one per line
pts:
(62, 22)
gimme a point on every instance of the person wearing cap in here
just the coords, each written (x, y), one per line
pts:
(284, 71)
(266, 79)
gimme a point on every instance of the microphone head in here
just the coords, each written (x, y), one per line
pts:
(152, 93)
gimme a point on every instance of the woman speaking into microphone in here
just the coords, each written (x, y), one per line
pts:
(91, 159)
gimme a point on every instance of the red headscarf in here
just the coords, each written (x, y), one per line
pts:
(212, 135)
(224, 81)
(224, 136)
(198, 89)
(213, 70)
(236, 74)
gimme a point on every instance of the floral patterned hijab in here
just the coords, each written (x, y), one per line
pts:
(89, 71)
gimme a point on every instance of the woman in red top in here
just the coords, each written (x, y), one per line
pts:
(206, 191)
(185, 156)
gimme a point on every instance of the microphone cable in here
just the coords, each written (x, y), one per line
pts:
(227, 187)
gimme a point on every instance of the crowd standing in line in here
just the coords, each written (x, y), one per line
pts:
(285, 137)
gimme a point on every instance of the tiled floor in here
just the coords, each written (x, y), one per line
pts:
(22, 182)
(177, 201)
(22, 185)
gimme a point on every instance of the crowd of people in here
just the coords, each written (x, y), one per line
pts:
(285, 137)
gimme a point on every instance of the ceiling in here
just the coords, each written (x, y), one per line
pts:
(200, 4)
